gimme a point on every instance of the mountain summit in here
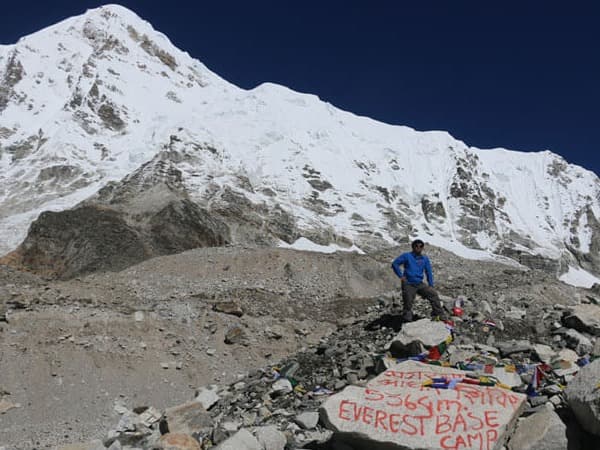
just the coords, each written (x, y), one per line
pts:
(101, 111)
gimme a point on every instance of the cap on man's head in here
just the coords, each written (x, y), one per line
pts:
(417, 243)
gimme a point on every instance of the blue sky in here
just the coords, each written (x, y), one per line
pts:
(521, 75)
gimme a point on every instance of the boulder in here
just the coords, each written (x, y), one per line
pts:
(545, 353)
(107, 236)
(583, 397)
(307, 420)
(5, 406)
(234, 335)
(541, 431)
(584, 318)
(281, 386)
(229, 307)
(508, 348)
(396, 411)
(242, 440)
(425, 331)
(207, 396)
(189, 418)
(578, 342)
(270, 438)
(178, 441)
(566, 354)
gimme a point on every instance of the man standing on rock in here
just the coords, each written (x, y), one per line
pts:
(415, 263)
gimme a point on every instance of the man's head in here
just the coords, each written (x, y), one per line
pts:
(417, 246)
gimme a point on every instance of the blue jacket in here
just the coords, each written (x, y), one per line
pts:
(413, 268)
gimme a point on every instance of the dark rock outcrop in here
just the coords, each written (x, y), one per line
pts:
(82, 240)
(91, 238)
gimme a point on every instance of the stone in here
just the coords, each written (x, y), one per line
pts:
(139, 316)
(486, 308)
(6, 406)
(552, 389)
(352, 378)
(460, 355)
(150, 416)
(207, 396)
(584, 318)
(596, 348)
(270, 438)
(566, 355)
(234, 335)
(396, 411)
(515, 313)
(275, 331)
(428, 332)
(231, 307)
(189, 418)
(487, 348)
(316, 437)
(508, 348)
(231, 426)
(290, 369)
(281, 386)
(541, 431)
(583, 397)
(578, 342)
(307, 420)
(127, 422)
(538, 400)
(239, 386)
(339, 384)
(178, 441)
(556, 401)
(249, 418)
(242, 440)
(545, 353)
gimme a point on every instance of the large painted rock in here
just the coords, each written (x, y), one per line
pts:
(396, 411)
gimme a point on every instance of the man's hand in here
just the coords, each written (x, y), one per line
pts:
(403, 279)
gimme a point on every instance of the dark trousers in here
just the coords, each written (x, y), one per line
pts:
(409, 291)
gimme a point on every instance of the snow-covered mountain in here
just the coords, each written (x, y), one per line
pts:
(104, 98)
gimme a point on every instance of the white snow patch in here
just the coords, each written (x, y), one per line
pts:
(576, 276)
(310, 246)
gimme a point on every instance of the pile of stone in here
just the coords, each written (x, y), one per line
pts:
(376, 383)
